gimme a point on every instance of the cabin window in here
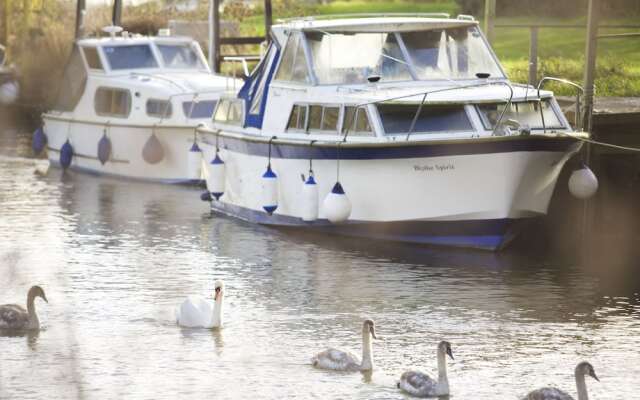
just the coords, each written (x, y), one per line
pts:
(229, 112)
(293, 67)
(298, 118)
(199, 109)
(450, 53)
(137, 56)
(356, 122)
(112, 102)
(323, 119)
(350, 58)
(180, 56)
(92, 57)
(159, 108)
(398, 118)
(526, 113)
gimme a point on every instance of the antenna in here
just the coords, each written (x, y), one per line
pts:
(112, 30)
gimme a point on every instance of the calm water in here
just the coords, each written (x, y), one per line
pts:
(116, 257)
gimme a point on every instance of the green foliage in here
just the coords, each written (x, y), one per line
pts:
(387, 6)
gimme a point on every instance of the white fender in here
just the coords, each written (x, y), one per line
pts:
(269, 191)
(194, 163)
(337, 206)
(217, 176)
(583, 183)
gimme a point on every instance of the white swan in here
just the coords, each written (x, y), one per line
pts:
(197, 312)
(549, 393)
(13, 316)
(338, 360)
(422, 385)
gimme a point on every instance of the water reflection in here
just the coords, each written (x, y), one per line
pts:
(119, 256)
(31, 336)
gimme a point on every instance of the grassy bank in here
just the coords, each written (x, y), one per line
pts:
(40, 47)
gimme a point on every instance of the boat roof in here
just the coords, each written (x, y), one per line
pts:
(375, 23)
(133, 39)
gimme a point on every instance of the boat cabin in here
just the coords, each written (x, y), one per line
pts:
(146, 80)
(366, 79)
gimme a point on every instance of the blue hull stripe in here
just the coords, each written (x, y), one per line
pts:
(394, 151)
(491, 234)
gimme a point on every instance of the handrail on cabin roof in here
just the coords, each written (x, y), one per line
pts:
(367, 15)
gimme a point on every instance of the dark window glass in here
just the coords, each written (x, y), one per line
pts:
(201, 109)
(93, 60)
(159, 108)
(397, 118)
(112, 102)
(315, 117)
(330, 119)
(130, 57)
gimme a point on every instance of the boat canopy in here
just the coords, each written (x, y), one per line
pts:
(449, 50)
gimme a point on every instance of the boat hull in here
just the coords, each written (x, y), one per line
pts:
(127, 143)
(469, 193)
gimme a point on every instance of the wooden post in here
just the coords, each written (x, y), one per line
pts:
(590, 61)
(116, 19)
(80, 9)
(216, 36)
(533, 56)
(489, 18)
(5, 10)
(26, 15)
(268, 18)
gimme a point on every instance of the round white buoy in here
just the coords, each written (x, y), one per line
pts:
(9, 92)
(194, 163)
(583, 183)
(216, 181)
(269, 190)
(310, 199)
(336, 206)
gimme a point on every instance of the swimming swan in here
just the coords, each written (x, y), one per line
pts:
(338, 360)
(549, 393)
(421, 385)
(13, 316)
(197, 312)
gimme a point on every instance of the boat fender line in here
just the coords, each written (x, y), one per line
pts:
(104, 147)
(583, 183)
(152, 152)
(270, 186)
(39, 141)
(217, 173)
(194, 160)
(66, 154)
(310, 194)
(336, 205)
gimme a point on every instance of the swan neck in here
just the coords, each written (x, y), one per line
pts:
(442, 368)
(582, 387)
(31, 311)
(216, 318)
(367, 358)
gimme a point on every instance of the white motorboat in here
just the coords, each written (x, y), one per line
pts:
(129, 106)
(400, 128)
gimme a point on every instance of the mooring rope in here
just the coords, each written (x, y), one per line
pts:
(591, 141)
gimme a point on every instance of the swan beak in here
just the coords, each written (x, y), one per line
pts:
(215, 297)
(450, 353)
(593, 375)
(45, 298)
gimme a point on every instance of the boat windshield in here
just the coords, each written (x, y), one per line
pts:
(351, 58)
(138, 56)
(180, 56)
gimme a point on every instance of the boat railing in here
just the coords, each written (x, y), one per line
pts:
(424, 95)
(370, 15)
(578, 112)
(244, 61)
